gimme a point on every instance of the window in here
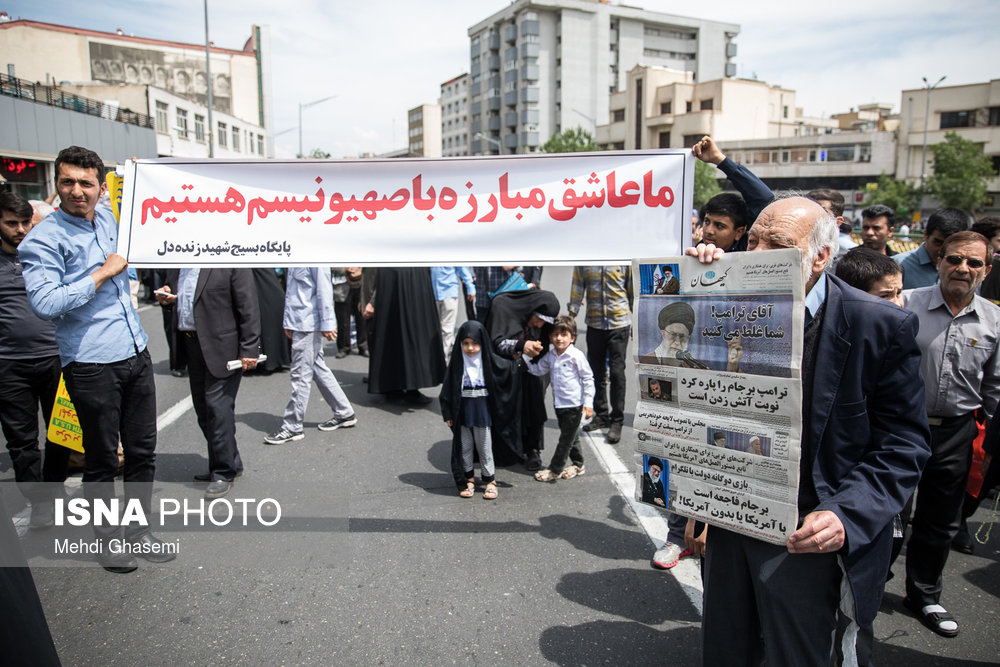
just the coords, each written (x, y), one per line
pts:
(687, 106)
(618, 116)
(840, 153)
(199, 128)
(162, 124)
(955, 119)
(994, 116)
(707, 105)
(691, 139)
(664, 140)
(182, 123)
(236, 138)
(665, 107)
(222, 135)
(260, 144)
(784, 111)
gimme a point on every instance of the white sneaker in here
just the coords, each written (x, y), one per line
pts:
(667, 556)
(283, 436)
(333, 423)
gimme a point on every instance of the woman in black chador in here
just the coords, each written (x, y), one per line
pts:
(516, 320)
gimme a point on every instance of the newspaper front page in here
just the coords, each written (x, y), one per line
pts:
(718, 419)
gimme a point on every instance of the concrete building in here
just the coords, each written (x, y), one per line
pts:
(455, 116)
(424, 124)
(165, 80)
(973, 111)
(538, 67)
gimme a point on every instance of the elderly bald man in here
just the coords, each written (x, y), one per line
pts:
(865, 440)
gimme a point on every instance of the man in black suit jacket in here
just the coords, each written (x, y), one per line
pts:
(865, 441)
(218, 321)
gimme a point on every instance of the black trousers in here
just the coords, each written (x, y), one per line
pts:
(344, 311)
(24, 385)
(215, 404)
(116, 401)
(760, 600)
(569, 439)
(609, 344)
(938, 509)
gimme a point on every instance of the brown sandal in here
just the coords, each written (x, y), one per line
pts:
(491, 491)
(469, 490)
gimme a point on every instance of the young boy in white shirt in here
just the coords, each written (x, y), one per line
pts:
(572, 395)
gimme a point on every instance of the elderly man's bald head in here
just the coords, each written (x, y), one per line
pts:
(797, 222)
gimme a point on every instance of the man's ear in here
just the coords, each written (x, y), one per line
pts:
(740, 231)
(822, 259)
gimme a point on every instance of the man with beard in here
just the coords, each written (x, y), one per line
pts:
(652, 487)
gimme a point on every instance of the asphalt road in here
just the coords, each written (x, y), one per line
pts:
(377, 560)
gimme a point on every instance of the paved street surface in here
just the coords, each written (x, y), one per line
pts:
(394, 567)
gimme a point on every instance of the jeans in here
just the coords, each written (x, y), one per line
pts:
(569, 439)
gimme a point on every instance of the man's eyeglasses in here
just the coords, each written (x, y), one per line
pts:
(973, 262)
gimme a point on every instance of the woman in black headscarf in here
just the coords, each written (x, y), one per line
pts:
(502, 384)
(518, 320)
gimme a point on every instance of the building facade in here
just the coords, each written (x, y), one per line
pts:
(167, 81)
(455, 116)
(424, 136)
(538, 67)
(972, 111)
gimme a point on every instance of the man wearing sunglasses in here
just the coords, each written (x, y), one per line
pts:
(961, 368)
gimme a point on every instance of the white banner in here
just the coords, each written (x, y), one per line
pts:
(584, 208)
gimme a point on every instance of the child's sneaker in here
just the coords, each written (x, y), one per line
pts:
(572, 471)
(545, 475)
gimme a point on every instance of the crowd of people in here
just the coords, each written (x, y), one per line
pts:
(901, 370)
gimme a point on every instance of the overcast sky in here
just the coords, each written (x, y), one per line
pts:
(382, 57)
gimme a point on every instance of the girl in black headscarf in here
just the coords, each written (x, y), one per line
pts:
(471, 373)
(518, 320)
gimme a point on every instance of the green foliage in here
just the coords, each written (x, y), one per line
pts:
(706, 184)
(960, 173)
(318, 154)
(900, 196)
(573, 140)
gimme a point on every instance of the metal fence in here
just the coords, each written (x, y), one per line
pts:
(55, 97)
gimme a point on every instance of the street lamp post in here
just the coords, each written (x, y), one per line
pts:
(306, 106)
(480, 135)
(208, 81)
(927, 120)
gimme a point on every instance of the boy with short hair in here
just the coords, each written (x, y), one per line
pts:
(870, 271)
(572, 396)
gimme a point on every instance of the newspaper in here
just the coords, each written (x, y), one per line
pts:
(718, 420)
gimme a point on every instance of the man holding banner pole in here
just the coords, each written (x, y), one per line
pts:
(74, 277)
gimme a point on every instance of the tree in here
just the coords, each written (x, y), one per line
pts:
(573, 140)
(960, 173)
(318, 154)
(900, 196)
(706, 185)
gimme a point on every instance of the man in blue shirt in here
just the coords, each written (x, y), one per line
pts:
(920, 265)
(446, 291)
(75, 278)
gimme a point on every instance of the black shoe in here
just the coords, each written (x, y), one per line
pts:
(43, 514)
(534, 461)
(179, 373)
(207, 476)
(414, 397)
(614, 433)
(340, 354)
(962, 542)
(595, 424)
(149, 547)
(116, 562)
(218, 488)
(364, 352)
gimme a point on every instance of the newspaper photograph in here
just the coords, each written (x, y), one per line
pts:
(718, 361)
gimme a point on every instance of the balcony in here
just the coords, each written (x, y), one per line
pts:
(493, 63)
(529, 72)
(510, 119)
(530, 95)
(494, 123)
(529, 139)
(510, 141)
(530, 50)
(54, 97)
(529, 116)
(510, 34)
(493, 42)
(493, 104)
(529, 27)
(510, 98)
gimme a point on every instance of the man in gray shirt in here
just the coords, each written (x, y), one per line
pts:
(961, 368)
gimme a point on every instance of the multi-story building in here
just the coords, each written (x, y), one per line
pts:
(973, 111)
(424, 123)
(167, 81)
(455, 116)
(540, 66)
